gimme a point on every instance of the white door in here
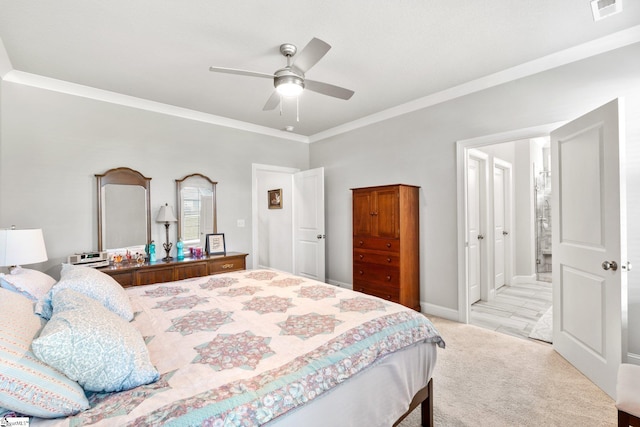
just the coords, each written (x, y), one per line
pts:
(501, 221)
(474, 236)
(308, 224)
(588, 207)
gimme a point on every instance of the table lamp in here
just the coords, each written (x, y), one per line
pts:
(19, 247)
(166, 216)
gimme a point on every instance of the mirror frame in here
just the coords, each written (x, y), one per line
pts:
(179, 183)
(123, 176)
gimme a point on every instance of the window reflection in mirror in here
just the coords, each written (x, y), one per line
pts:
(196, 195)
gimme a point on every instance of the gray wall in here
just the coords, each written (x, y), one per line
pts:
(52, 144)
(419, 148)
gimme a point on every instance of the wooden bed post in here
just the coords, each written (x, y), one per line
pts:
(426, 407)
(424, 398)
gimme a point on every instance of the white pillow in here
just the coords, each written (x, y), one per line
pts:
(92, 283)
(33, 284)
(27, 385)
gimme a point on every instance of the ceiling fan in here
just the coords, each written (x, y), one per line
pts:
(290, 80)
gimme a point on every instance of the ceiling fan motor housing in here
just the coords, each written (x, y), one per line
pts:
(287, 77)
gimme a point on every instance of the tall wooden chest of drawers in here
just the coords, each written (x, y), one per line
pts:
(386, 243)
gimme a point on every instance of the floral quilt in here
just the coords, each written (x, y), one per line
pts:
(242, 348)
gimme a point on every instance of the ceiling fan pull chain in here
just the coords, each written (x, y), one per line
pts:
(281, 104)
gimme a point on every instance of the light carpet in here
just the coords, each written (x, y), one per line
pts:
(485, 378)
(543, 329)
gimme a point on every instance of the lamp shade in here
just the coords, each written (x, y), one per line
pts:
(20, 247)
(165, 214)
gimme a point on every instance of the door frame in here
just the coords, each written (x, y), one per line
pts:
(483, 188)
(507, 190)
(462, 148)
(255, 168)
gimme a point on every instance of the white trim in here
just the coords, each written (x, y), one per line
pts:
(633, 358)
(509, 246)
(462, 147)
(340, 284)
(595, 47)
(438, 310)
(523, 279)
(34, 80)
(255, 167)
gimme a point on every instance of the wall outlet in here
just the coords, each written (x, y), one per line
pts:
(240, 223)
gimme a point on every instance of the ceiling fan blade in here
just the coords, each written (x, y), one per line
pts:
(272, 102)
(327, 89)
(240, 72)
(311, 54)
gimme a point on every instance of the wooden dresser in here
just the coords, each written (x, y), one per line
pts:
(386, 243)
(160, 271)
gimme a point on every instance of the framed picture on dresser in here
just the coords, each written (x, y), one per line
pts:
(215, 244)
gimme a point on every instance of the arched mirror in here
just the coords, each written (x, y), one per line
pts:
(124, 212)
(196, 207)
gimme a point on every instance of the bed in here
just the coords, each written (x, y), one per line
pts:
(263, 347)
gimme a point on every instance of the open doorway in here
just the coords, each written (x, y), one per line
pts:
(516, 252)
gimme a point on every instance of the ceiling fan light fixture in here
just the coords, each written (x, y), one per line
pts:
(289, 86)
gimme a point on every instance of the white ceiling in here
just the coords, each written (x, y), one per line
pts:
(395, 55)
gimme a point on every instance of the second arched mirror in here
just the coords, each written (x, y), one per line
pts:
(196, 207)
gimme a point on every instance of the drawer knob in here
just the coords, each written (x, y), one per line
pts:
(388, 259)
(361, 256)
(361, 272)
(388, 245)
(389, 278)
(361, 242)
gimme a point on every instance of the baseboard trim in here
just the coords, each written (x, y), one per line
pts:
(523, 279)
(633, 358)
(437, 310)
(339, 284)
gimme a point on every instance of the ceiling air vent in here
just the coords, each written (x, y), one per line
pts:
(604, 8)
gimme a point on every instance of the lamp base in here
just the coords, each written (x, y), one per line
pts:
(167, 245)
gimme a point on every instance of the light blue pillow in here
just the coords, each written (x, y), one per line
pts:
(92, 283)
(93, 346)
(27, 385)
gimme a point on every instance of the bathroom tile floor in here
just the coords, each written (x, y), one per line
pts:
(515, 309)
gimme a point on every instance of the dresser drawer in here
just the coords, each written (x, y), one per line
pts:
(376, 258)
(154, 275)
(391, 293)
(374, 273)
(226, 265)
(125, 279)
(190, 270)
(390, 245)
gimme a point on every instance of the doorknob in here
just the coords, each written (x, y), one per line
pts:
(505, 233)
(321, 236)
(480, 236)
(610, 265)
